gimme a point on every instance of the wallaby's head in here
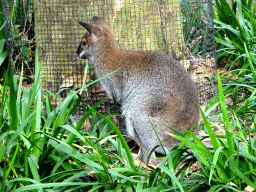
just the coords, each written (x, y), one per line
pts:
(96, 40)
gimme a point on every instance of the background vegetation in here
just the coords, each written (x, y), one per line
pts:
(44, 149)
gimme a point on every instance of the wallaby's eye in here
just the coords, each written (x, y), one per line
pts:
(83, 43)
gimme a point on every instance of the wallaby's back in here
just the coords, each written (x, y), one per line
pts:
(152, 87)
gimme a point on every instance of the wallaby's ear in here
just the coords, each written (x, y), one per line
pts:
(91, 28)
(87, 26)
(96, 19)
(99, 22)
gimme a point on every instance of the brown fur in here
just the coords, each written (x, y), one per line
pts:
(151, 87)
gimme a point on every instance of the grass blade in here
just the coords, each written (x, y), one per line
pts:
(210, 131)
(225, 115)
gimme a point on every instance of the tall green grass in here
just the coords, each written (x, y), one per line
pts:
(230, 164)
(235, 37)
(44, 149)
(21, 32)
(235, 31)
(195, 29)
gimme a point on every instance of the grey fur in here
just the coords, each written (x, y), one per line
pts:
(149, 85)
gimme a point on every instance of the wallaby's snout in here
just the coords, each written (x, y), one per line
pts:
(79, 53)
(153, 88)
(84, 49)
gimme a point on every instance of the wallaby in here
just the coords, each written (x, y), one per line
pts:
(152, 88)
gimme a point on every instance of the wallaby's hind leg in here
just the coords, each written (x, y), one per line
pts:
(139, 127)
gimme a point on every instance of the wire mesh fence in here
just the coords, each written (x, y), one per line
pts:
(181, 28)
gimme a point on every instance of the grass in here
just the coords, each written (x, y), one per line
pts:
(40, 147)
(235, 31)
(195, 29)
(230, 164)
(44, 149)
(235, 36)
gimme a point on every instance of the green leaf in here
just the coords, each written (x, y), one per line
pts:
(249, 56)
(40, 186)
(3, 57)
(34, 166)
(225, 115)
(210, 131)
(215, 159)
(2, 34)
(240, 174)
(2, 43)
(172, 175)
